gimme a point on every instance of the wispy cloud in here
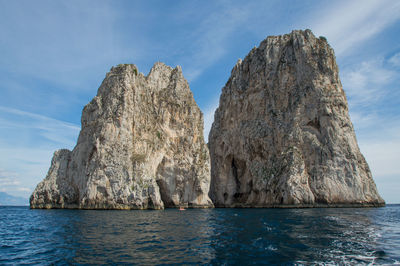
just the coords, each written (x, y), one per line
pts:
(10, 183)
(366, 82)
(380, 144)
(348, 23)
(395, 60)
(15, 122)
(208, 42)
(27, 142)
(23, 168)
(65, 44)
(371, 87)
(8, 178)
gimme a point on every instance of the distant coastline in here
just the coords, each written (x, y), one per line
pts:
(9, 200)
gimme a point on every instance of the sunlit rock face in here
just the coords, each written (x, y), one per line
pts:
(282, 136)
(141, 147)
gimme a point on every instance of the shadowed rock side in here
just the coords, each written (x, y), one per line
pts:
(141, 147)
(282, 136)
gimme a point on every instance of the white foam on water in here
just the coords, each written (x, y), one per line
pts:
(358, 259)
(303, 262)
(268, 228)
(303, 236)
(271, 248)
(332, 218)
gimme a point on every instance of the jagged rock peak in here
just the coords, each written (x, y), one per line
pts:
(282, 136)
(141, 146)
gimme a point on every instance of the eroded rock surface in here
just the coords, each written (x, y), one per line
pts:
(282, 136)
(141, 146)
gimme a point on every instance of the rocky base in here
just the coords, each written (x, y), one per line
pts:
(305, 206)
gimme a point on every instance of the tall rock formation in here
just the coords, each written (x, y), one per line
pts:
(282, 136)
(141, 146)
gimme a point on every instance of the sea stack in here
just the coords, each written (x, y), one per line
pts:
(282, 136)
(141, 146)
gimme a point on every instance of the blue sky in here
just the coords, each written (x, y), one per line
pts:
(55, 54)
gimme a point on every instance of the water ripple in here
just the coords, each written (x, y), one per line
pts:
(214, 237)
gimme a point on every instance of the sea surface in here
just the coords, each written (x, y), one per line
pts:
(200, 236)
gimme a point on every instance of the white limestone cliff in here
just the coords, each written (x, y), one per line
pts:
(141, 146)
(282, 136)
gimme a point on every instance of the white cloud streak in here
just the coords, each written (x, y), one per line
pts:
(22, 169)
(369, 85)
(365, 83)
(21, 122)
(348, 23)
(210, 38)
(65, 44)
(28, 141)
(10, 183)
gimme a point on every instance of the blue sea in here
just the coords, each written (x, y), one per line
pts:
(201, 236)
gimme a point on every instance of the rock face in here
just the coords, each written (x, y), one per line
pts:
(141, 147)
(282, 136)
